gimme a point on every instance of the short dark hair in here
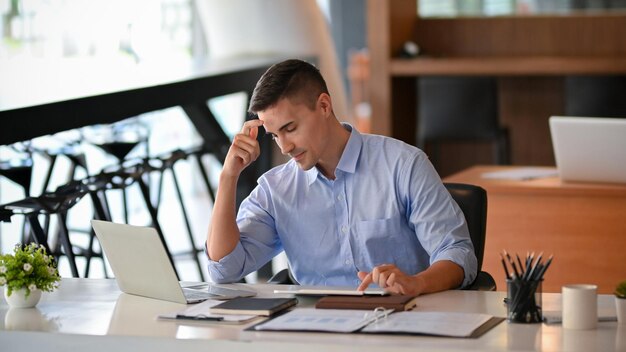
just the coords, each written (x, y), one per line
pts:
(293, 79)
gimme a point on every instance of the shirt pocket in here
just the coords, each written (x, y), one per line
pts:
(381, 241)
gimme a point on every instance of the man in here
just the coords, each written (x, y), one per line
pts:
(348, 209)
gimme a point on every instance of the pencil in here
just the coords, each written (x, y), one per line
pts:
(543, 270)
(506, 271)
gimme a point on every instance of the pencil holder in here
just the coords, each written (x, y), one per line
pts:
(524, 301)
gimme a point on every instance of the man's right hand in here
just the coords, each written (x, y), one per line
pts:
(223, 231)
(244, 150)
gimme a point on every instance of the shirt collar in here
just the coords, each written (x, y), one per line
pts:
(349, 157)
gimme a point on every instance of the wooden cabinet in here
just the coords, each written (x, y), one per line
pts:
(529, 54)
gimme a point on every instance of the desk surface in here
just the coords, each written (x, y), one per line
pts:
(94, 314)
(544, 186)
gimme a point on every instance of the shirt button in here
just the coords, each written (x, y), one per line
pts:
(340, 197)
(347, 262)
(344, 229)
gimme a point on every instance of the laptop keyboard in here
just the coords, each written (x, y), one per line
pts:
(208, 291)
(194, 295)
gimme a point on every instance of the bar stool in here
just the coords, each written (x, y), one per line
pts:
(198, 153)
(119, 140)
(52, 203)
(73, 154)
(19, 172)
(122, 179)
(120, 150)
(167, 163)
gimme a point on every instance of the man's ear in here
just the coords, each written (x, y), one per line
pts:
(325, 104)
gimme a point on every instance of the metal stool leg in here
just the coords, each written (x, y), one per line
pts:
(155, 222)
(66, 243)
(100, 213)
(205, 176)
(194, 250)
(38, 235)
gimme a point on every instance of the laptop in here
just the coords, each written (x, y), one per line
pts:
(589, 149)
(141, 266)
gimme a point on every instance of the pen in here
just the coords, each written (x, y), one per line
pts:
(199, 317)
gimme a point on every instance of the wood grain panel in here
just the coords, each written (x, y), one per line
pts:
(509, 66)
(526, 103)
(572, 35)
(387, 28)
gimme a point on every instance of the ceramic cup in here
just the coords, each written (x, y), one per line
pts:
(580, 307)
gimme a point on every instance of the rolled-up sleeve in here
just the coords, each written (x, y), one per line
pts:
(439, 222)
(258, 242)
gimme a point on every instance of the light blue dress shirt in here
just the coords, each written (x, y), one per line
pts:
(387, 205)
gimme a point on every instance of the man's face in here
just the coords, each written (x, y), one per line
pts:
(299, 131)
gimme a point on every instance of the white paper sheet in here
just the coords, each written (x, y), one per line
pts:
(430, 323)
(522, 173)
(335, 320)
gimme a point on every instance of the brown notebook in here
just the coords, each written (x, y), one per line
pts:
(397, 302)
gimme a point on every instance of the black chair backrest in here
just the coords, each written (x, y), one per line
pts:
(457, 108)
(472, 200)
(595, 96)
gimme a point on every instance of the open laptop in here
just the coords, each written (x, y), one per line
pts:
(589, 149)
(141, 266)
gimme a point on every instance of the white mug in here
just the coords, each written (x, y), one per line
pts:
(580, 307)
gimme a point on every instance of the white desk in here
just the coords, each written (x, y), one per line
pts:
(92, 315)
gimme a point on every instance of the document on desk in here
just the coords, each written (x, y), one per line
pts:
(201, 312)
(331, 320)
(521, 173)
(450, 324)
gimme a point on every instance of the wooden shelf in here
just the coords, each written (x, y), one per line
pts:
(530, 56)
(507, 66)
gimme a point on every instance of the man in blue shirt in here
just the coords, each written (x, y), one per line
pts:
(347, 209)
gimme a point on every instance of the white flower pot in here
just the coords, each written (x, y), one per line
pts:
(620, 306)
(18, 298)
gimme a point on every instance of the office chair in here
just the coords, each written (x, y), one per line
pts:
(473, 202)
(459, 109)
(601, 96)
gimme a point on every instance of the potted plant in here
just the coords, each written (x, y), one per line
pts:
(26, 273)
(620, 302)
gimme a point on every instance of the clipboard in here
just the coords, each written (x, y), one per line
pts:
(379, 321)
